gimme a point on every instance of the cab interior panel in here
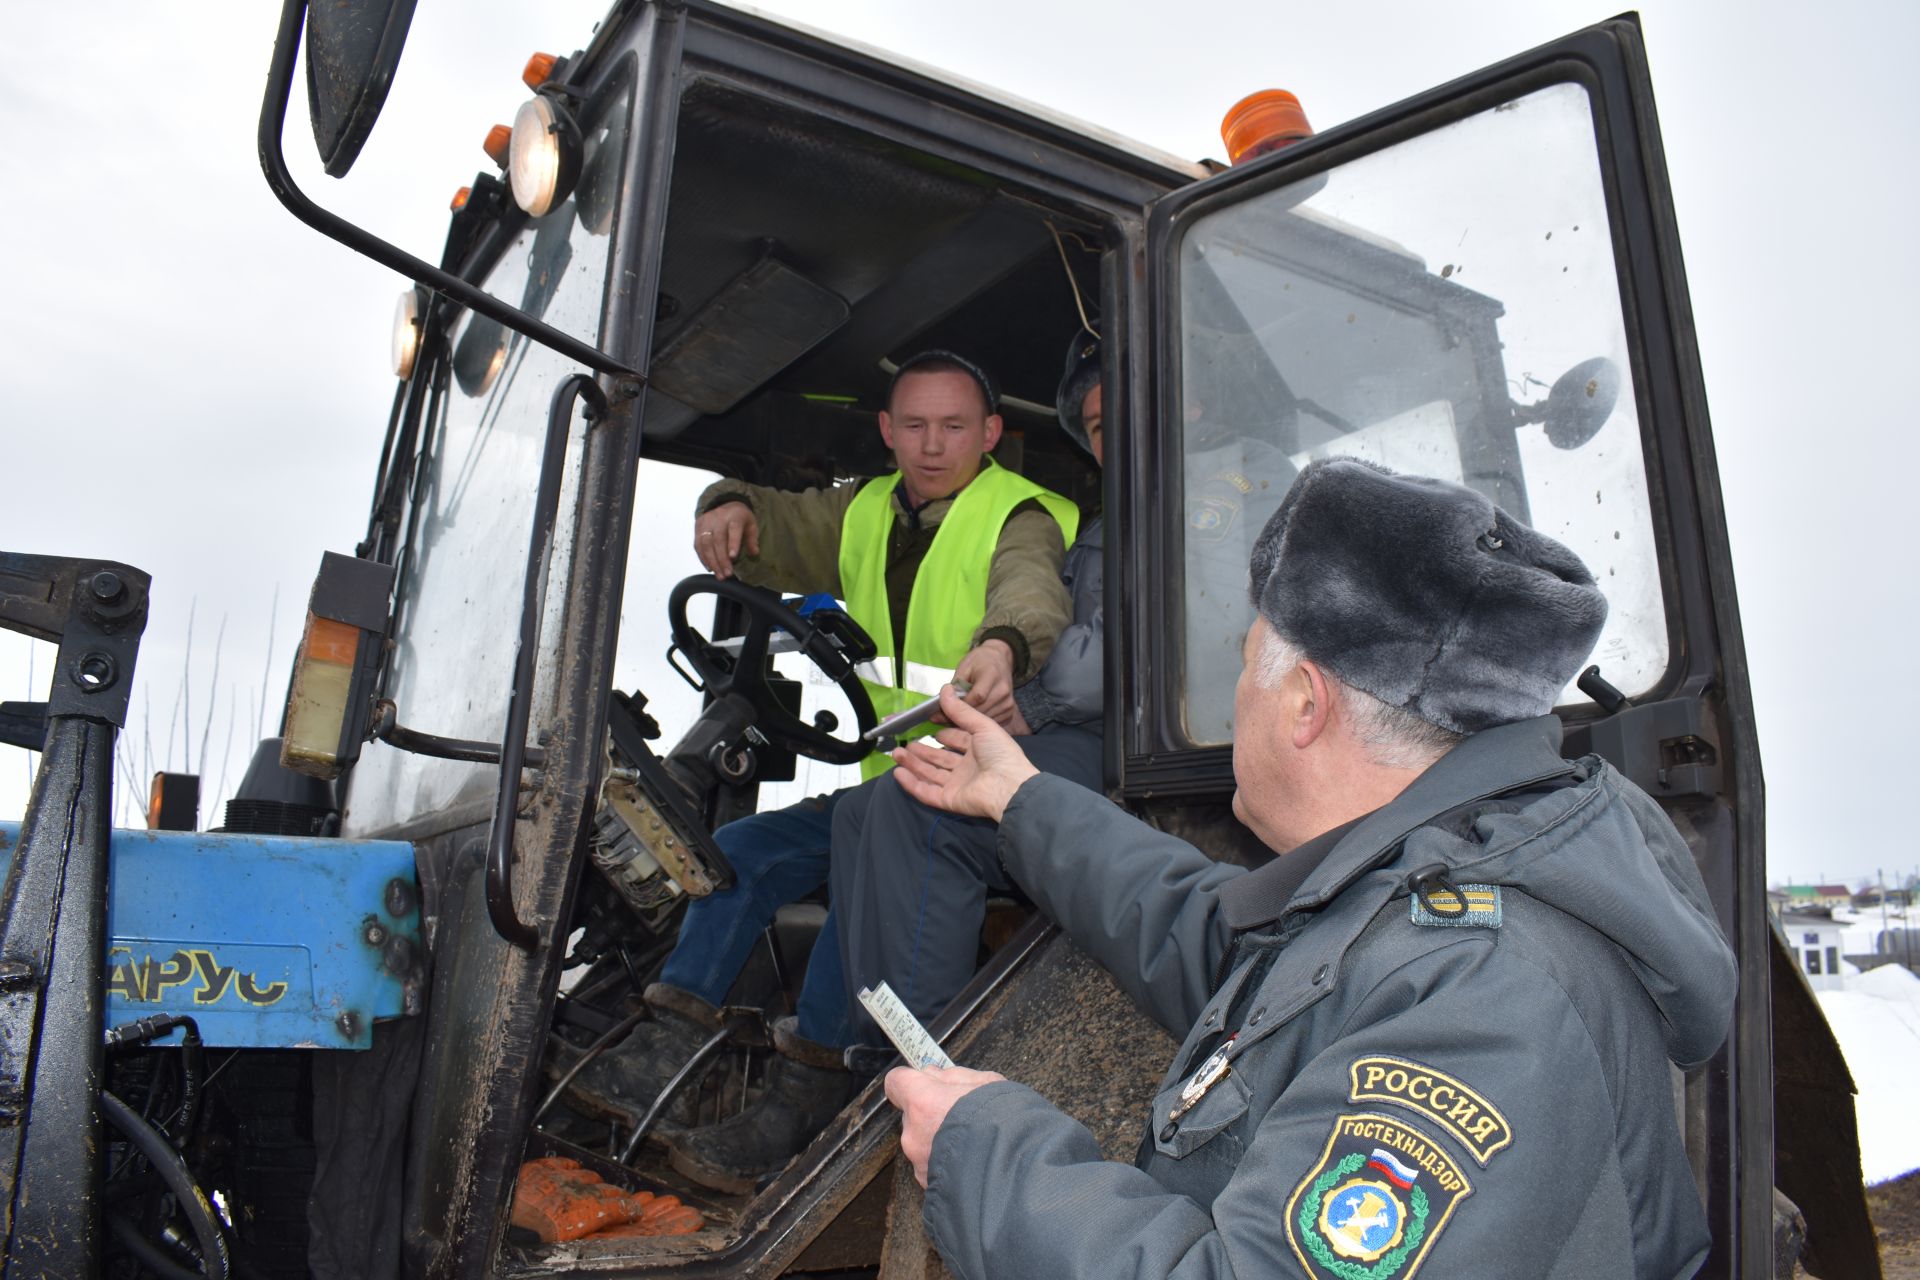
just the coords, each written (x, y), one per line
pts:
(923, 252)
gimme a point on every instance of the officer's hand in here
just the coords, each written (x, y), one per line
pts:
(924, 1096)
(719, 535)
(978, 773)
(1016, 724)
(988, 667)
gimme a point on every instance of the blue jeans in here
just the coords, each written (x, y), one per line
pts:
(778, 857)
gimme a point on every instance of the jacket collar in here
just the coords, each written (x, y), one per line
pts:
(1482, 765)
(1262, 896)
(926, 511)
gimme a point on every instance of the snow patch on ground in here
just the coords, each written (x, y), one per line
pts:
(1876, 1019)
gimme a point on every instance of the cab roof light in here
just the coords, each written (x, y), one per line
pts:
(499, 138)
(1263, 122)
(539, 70)
(460, 199)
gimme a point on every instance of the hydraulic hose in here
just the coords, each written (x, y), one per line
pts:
(151, 1255)
(192, 1059)
(172, 1168)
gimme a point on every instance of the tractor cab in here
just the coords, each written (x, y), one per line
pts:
(708, 243)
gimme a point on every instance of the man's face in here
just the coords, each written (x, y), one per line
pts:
(1090, 418)
(1259, 766)
(938, 428)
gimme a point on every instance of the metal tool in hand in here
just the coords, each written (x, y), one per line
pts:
(884, 735)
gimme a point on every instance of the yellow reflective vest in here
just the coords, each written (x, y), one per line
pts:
(949, 592)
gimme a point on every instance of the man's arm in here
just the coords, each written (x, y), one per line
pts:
(773, 537)
(1140, 901)
(1027, 604)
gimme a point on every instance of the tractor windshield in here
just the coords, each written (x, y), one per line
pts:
(458, 597)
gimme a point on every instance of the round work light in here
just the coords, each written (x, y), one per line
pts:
(599, 188)
(543, 159)
(409, 323)
(479, 356)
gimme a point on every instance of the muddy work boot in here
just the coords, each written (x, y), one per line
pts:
(806, 1087)
(621, 1084)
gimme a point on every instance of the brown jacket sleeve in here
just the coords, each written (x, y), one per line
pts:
(1024, 591)
(799, 534)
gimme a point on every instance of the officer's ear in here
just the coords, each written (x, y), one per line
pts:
(993, 431)
(886, 428)
(1309, 703)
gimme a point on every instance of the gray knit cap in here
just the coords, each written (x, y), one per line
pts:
(1081, 375)
(1424, 594)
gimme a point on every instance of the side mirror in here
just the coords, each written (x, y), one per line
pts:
(1578, 405)
(353, 48)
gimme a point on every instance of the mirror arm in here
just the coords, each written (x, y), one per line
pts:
(273, 122)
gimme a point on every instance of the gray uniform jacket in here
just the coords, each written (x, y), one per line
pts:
(1491, 1095)
(1068, 689)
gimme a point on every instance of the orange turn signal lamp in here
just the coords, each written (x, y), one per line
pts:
(539, 70)
(331, 703)
(1263, 122)
(460, 199)
(173, 802)
(499, 138)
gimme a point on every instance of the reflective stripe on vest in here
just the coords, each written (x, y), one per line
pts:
(949, 595)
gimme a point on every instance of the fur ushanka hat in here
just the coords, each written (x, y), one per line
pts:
(1424, 594)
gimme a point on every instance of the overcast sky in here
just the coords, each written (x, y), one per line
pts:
(193, 382)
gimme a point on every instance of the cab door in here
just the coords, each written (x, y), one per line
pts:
(1482, 283)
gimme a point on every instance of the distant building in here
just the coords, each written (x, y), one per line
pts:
(1873, 897)
(1815, 941)
(1802, 897)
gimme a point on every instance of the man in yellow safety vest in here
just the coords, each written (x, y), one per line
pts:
(952, 565)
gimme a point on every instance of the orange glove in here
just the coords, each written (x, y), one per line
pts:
(558, 1199)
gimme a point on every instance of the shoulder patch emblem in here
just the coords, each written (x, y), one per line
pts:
(1459, 1111)
(1374, 1204)
(1474, 906)
(1212, 514)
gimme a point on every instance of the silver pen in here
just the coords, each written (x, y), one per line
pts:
(912, 718)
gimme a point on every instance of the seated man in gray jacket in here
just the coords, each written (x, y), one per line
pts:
(909, 882)
(1441, 1028)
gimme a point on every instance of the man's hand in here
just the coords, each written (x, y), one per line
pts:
(924, 1096)
(719, 534)
(988, 667)
(976, 776)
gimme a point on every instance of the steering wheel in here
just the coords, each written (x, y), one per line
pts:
(832, 639)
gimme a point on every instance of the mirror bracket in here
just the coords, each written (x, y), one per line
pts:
(273, 120)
